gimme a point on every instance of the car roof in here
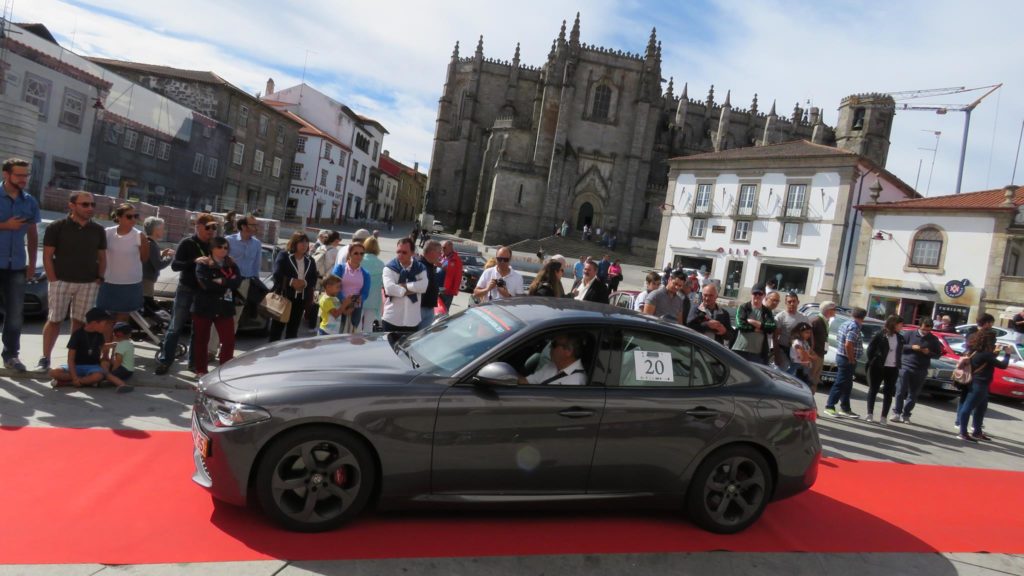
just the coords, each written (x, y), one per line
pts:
(867, 320)
(534, 310)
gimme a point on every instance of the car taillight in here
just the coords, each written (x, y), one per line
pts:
(807, 414)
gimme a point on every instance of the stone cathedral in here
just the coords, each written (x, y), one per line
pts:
(585, 138)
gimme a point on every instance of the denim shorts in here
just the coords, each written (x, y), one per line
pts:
(122, 372)
(83, 370)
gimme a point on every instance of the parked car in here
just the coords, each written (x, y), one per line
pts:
(251, 322)
(37, 289)
(623, 298)
(313, 429)
(1001, 333)
(938, 383)
(1008, 382)
(472, 268)
(437, 228)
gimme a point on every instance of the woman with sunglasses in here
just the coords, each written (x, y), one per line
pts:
(214, 304)
(127, 248)
(294, 278)
(549, 281)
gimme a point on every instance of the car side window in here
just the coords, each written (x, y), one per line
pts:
(648, 359)
(535, 359)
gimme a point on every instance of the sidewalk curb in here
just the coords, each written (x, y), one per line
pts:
(138, 380)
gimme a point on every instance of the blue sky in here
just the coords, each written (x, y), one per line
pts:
(387, 60)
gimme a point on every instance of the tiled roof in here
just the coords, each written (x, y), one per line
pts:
(390, 167)
(367, 120)
(791, 149)
(304, 126)
(984, 200)
(193, 75)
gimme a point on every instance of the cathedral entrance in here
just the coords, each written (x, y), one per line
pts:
(585, 216)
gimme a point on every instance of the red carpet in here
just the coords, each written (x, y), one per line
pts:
(126, 497)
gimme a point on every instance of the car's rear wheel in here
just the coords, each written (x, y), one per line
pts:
(315, 479)
(730, 490)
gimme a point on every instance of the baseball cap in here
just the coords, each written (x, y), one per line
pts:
(97, 315)
(122, 328)
(361, 234)
(757, 289)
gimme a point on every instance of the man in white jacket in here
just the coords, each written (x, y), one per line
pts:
(405, 280)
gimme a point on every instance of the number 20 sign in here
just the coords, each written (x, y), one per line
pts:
(653, 366)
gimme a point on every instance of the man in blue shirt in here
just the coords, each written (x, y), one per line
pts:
(246, 251)
(19, 214)
(850, 347)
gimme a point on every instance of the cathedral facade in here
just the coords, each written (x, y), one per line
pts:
(586, 137)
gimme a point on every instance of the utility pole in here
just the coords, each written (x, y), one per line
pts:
(1017, 156)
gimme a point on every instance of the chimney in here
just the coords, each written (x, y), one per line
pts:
(270, 86)
(1009, 193)
(387, 153)
(415, 166)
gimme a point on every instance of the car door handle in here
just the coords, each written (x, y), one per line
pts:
(575, 412)
(701, 412)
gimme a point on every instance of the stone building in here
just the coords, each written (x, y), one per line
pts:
(585, 137)
(262, 144)
(412, 186)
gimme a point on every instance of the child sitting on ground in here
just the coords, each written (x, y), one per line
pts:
(85, 365)
(332, 309)
(121, 355)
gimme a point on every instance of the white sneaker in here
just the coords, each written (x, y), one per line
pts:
(897, 419)
(881, 421)
(869, 418)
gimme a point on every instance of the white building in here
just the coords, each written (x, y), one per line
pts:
(318, 173)
(957, 255)
(363, 136)
(782, 212)
(61, 91)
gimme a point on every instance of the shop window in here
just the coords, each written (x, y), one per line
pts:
(787, 278)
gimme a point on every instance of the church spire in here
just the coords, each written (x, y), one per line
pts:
(685, 86)
(711, 97)
(728, 94)
(455, 52)
(652, 43)
(668, 92)
(561, 34)
(772, 113)
(515, 59)
(480, 46)
(574, 36)
(753, 106)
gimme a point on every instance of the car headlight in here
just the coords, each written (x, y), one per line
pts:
(1013, 380)
(227, 414)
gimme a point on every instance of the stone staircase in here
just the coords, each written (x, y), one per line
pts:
(573, 247)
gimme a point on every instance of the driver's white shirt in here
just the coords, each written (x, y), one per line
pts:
(574, 374)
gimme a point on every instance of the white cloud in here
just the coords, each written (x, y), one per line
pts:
(388, 60)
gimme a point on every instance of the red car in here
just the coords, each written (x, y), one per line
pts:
(1008, 382)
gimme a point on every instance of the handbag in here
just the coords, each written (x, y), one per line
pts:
(963, 373)
(276, 307)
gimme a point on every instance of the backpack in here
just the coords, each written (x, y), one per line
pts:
(964, 372)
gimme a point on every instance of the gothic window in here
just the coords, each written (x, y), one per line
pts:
(602, 103)
(927, 248)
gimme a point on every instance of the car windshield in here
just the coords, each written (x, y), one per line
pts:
(449, 345)
(957, 343)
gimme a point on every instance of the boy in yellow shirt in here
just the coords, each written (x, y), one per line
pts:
(331, 307)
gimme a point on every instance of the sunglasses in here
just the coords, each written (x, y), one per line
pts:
(86, 204)
(211, 227)
(503, 259)
(129, 216)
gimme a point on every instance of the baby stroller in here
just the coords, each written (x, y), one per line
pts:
(151, 323)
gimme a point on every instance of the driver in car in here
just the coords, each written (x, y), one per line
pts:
(565, 366)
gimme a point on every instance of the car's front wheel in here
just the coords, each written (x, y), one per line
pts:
(730, 490)
(315, 479)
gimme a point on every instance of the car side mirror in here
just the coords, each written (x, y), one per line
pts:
(497, 374)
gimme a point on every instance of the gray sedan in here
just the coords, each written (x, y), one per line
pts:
(649, 414)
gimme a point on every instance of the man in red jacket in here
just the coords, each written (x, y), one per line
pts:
(450, 269)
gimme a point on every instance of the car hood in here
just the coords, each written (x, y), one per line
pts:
(369, 354)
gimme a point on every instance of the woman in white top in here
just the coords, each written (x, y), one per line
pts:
(127, 248)
(800, 351)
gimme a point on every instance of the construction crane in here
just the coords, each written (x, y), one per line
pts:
(944, 108)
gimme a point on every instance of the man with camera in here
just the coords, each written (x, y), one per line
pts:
(501, 281)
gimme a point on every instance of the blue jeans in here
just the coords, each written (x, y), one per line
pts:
(183, 298)
(426, 317)
(841, 388)
(12, 286)
(909, 386)
(977, 404)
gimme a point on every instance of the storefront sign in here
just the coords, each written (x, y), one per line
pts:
(956, 288)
